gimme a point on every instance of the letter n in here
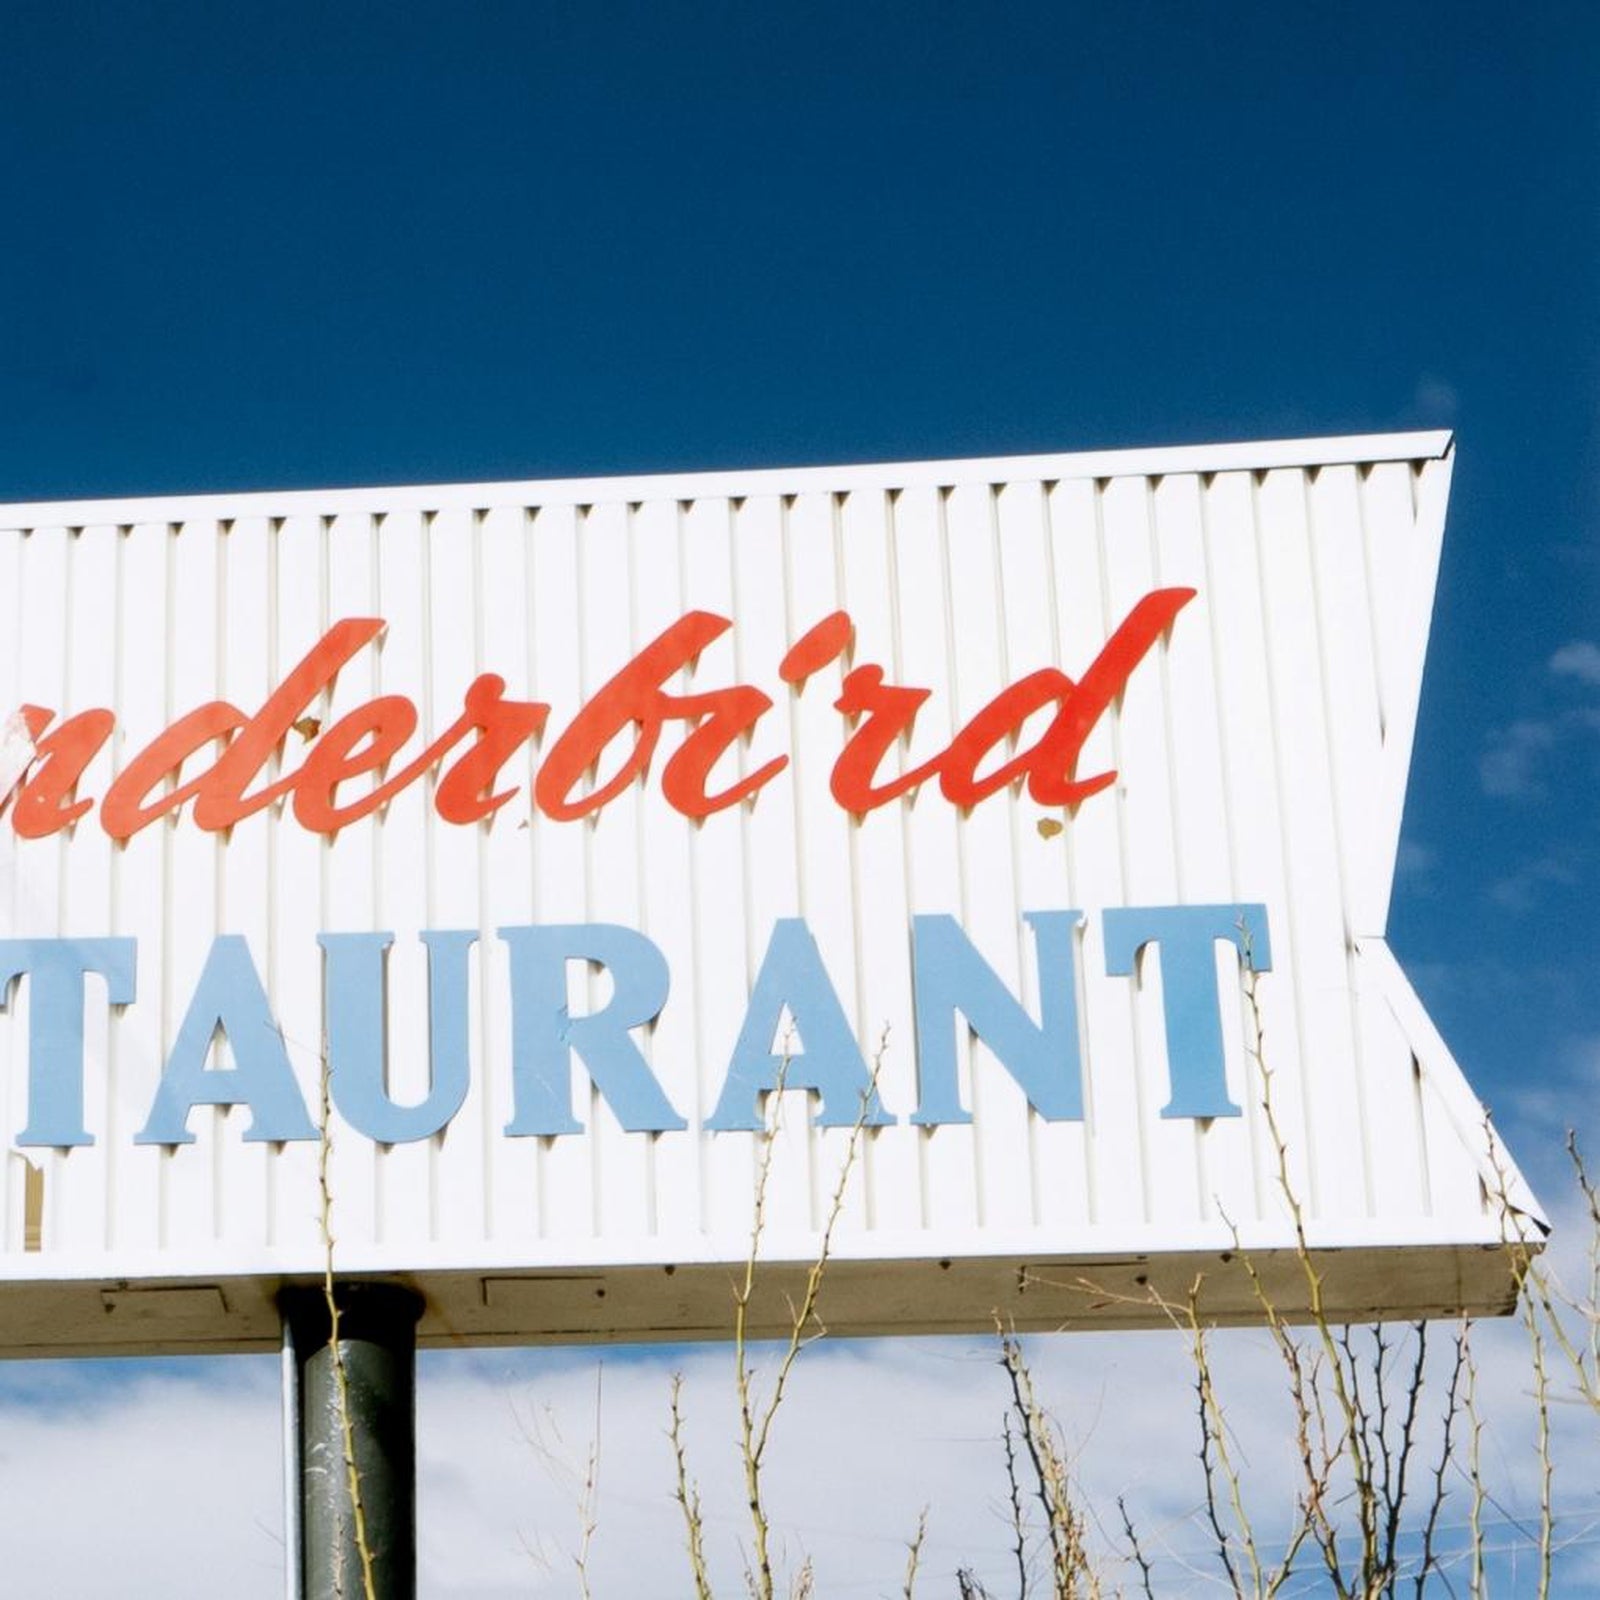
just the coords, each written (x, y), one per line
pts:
(1044, 1058)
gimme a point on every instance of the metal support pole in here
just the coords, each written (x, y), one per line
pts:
(377, 1344)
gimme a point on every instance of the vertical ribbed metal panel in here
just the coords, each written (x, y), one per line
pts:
(1260, 751)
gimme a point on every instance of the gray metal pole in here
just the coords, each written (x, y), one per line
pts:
(293, 1588)
(377, 1344)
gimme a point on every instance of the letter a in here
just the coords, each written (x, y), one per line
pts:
(830, 1061)
(229, 999)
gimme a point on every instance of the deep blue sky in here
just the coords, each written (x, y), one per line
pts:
(290, 245)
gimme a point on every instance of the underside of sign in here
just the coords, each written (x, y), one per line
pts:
(984, 865)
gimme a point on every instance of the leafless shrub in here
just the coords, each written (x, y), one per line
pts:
(1072, 1570)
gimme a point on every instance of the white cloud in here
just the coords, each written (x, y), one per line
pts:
(1580, 660)
(158, 1485)
(120, 1479)
(875, 1431)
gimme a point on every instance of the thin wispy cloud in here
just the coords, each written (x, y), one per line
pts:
(1580, 660)
(1563, 1095)
(1516, 759)
(1435, 401)
(1519, 892)
(1510, 767)
(1414, 866)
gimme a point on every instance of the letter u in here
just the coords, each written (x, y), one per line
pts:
(353, 985)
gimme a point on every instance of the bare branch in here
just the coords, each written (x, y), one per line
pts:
(1436, 1500)
(1145, 1573)
(1019, 1520)
(914, 1556)
(756, 1419)
(688, 1497)
(589, 1497)
(1071, 1566)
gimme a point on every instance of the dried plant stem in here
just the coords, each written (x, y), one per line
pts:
(1071, 1569)
(1436, 1502)
(1580, 1352)
(588, 1501)
(914, 1557)
(756, 1418)
(1590, 1374)
(1019, 1522)
(688, 1497)
(1353, 1439)
(1535, 1294)
(1474, 1468)
(1541, 1401)
(1394, 1493)
(1215, 1457)
(1146, 1573)
(341, 1378)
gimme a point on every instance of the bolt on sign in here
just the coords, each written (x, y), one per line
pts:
(1025, 827)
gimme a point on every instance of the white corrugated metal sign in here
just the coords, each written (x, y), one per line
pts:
(562, 820)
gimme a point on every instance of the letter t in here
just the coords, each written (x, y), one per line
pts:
(1188, 936)
(56, 969)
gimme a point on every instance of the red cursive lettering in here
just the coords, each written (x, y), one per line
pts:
(220, 798)
(635, 697)
(890, 710)
(48, 801)
(632, 709)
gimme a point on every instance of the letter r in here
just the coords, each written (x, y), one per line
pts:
(545, 1035)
